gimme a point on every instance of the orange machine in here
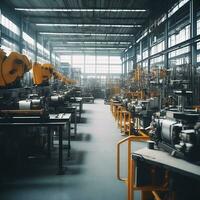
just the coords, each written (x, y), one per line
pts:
(12, 67)
(42, 73)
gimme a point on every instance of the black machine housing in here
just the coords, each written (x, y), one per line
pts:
(178, 133)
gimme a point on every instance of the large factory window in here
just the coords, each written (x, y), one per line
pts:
(66, 59)
(198, 45)
(28, 39)
(102, 59)
(115, 60)
(157, 48)
(180, 56)
(90, 59)
(115, 69)
(94, 64)
(159, 61)
(78, 59)
(46, 54)
(179, 52)
(102, 69)
(89, 68)
(10, 25)
(198, 27)
(145, 64)
(145, 54)
(79, 66)
(8, 46)
(179, 36)
(138, 54)
(40, 48)
(198, 58)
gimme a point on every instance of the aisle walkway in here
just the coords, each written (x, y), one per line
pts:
(91, 172)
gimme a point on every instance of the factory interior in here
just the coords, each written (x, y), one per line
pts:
(100, 99)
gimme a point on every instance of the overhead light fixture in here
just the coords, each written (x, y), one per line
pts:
(88, 34)
(99, 42)
(82, 48)
(92, 25)
(91, 42)
(78, 10)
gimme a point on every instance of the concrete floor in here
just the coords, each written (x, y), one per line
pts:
(90, 173)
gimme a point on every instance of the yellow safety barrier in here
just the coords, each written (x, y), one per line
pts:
(146, 191)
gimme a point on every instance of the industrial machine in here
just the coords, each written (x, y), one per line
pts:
(143, 109)
(177, 129)
(178, 133)
(141, 97)
(12, 69)
(16, 104)
(28, 106)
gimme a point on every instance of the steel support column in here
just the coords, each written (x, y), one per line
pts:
(36, 49)
(193, 47)
(125, 66)
(95, 64)
(166, 55)
(50, 50)
(141, 53)
(21, 34)
(134, 56)
(109, 65)
(193, 32)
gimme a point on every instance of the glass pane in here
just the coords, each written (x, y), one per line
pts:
(102, 68)
(90, 59)
(115, 60)
(90, 69)
(80, 67)
(102, 59)
(78, 59)
(115, 69)
(65, 59)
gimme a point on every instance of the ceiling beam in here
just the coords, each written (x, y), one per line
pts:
(39, 17)
(94, 20)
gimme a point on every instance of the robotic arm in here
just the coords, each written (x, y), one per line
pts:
(42, 73)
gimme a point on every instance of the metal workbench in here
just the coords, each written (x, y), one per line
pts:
(155, 168)
(54, 120)
(78, 102)
(165, 160)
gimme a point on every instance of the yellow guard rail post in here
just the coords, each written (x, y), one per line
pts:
(129, 180)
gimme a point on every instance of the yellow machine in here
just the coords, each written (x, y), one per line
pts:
(12, 67)
(68, 80)
(138, 74)
(63, 78)
(42, 73)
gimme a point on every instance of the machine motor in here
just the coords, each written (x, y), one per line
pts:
(179, 134)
